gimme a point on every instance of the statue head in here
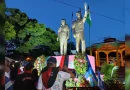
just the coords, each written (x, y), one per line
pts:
(63, 22)
(79, 15)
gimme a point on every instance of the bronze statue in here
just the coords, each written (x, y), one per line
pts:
(63, 36)
(78, 29)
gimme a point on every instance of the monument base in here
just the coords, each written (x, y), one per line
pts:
(69, 61)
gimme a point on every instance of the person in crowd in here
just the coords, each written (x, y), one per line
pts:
(17, 67)
(25, 81)
(52, 77)
(12, 65)
(8, 83)
(15, 71)
(13, 74)
(35, 74)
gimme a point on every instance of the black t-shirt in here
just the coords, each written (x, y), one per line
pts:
(24, 81)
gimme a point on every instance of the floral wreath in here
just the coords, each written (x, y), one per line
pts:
(80, 64)
(40, 63)
(80, 81)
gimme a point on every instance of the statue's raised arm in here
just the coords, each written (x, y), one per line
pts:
(85, 15)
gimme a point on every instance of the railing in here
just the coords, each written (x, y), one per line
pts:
(111, 60)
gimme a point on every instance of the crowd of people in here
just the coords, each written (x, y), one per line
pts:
(51, 77)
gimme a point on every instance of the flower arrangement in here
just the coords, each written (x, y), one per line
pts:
(40, 63)
(80, 64)
(77, 82)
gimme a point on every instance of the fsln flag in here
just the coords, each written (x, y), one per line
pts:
(88, 19)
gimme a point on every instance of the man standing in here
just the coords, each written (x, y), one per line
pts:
(63, 35)
(8, 83)
(78, 29)
(25, 81)
(52, 77)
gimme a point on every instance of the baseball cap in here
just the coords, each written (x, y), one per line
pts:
(52, 60)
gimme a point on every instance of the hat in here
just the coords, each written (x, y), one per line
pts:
(29, 66)
(52, 60)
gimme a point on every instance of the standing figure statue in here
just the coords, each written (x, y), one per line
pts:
(63, 36)
(78, 29)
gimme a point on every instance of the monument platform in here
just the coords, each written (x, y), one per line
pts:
(69, 61)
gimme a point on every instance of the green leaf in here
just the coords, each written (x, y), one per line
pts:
(28, 31)
(9, 31)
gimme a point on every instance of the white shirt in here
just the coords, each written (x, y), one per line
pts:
(58, 84)
(7, 74)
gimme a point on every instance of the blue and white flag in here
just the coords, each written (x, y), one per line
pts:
(100, 82)
(90, 75)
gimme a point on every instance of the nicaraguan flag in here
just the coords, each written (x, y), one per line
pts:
(88, 19)
(90, 75)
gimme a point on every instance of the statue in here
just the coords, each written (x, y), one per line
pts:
(78, 29)
(63, 36)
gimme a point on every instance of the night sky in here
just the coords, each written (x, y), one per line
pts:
(110, 18)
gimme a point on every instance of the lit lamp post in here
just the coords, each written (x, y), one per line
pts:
(28, 58)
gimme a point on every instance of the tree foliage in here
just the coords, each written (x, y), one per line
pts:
(28, 33)
(109, 72)
(10, 31)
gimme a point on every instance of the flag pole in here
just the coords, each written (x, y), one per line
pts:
(89, 42)
(71, 32)
(90, 48)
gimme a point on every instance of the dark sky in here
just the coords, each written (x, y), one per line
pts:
(50, 13)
